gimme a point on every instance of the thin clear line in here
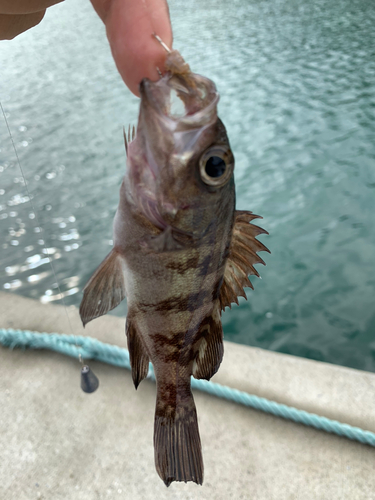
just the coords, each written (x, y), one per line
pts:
(41, 230)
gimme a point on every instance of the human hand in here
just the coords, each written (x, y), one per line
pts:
(129, 24)
(17, 16)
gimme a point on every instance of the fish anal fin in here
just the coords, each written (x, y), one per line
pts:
(105, 289)
(210, 346)
(139, 359)
(242, 257)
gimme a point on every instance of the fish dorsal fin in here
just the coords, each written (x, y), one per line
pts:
(129, 138)
(105, 289)
(139, 359)
(210, 345)
(242, 257)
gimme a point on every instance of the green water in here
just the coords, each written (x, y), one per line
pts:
(298, 99)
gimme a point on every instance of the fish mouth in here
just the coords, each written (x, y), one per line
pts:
(177, 121)
(180, 101)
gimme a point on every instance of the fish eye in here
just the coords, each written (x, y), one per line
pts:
(216, 165)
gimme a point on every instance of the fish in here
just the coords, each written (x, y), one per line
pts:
(181, 254)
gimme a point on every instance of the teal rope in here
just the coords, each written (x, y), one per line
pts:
(93, 349)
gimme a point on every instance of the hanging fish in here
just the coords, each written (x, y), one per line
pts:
(181, 254)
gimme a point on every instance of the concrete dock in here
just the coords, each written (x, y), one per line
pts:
(60, 443)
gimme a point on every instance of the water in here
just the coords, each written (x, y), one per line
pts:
(298, 99)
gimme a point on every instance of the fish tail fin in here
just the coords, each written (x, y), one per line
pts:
(178, 452)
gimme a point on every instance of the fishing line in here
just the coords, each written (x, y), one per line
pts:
(89, 381)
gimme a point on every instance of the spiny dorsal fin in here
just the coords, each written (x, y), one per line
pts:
(139, 359)
(211, 349)
(128, 139)
(105, 289)
(242, 257)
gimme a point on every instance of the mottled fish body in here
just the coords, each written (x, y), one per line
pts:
(181, 255)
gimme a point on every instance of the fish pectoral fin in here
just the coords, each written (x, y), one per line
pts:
(242, 257)
(105, 289)
(210, 346)
(139, 359)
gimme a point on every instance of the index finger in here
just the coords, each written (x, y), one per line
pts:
(130, 25)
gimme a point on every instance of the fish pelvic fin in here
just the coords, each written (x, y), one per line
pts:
(242, 257)
(139, 359)
(105, 289)
(178, 451)
(210, 346)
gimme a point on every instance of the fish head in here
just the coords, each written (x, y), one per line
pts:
(180, 161)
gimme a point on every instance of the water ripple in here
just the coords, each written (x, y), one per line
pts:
(298, 99)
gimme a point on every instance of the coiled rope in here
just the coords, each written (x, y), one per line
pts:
(90, 348)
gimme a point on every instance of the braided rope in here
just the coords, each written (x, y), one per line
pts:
(90, 348)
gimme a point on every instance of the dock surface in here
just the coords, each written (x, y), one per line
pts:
(60, 443)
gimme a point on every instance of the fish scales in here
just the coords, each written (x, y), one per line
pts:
(181, 255)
